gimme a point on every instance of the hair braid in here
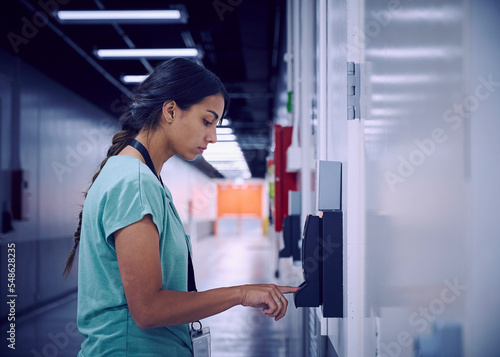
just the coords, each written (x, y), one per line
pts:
(119, 142)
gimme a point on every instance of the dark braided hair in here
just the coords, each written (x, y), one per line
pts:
(181, 80)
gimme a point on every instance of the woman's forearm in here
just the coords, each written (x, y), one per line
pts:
(171, 308)
(140, 269)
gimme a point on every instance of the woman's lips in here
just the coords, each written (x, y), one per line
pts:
(201, 150)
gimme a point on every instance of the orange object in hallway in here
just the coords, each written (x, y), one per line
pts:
(239, 201)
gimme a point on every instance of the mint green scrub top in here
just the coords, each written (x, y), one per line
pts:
(124, 192)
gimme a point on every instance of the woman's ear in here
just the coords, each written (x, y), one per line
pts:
(168, 111)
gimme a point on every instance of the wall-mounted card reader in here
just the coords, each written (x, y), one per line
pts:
(322, 265)
(322, 251)
(310, 293)
(333, 273)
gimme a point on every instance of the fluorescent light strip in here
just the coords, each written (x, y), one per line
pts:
(134, 78)
(227, 157)
(226, 145)
(419, 53)
(224, 151)
(224, 158)
(224, 131)
(443, 15)
(388, 112)
(404, 78)
(225, 122)
(121, 16)
(230, 165)
(398, 98)
(226, 137)
(133, 53)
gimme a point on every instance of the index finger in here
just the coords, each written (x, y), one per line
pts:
(288, 289)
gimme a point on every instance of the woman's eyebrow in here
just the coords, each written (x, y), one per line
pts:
(214, 113)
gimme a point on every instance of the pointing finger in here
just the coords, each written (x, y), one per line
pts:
(288, 289)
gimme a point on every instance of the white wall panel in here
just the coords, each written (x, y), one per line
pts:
(423, 250)
(190, 187)
(416, 169)
(73, 140)
(51, 120)
(344, 44)
(483, 97)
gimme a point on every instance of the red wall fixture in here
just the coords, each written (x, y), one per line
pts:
(284, 181)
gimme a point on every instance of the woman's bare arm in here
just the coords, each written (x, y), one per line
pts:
(150, 306)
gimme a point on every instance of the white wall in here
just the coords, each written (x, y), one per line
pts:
(416, 169)
(483, 313)
(189, 186)
(62, 139)
(420, 200)
(335, 128)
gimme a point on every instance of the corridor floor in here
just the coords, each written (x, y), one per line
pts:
(237, 260)
(226, 260)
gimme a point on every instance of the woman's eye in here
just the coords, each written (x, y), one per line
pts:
(206, 122)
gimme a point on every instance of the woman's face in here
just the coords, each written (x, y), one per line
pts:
(192, 130)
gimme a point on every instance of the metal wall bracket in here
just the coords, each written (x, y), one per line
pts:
(353, 91)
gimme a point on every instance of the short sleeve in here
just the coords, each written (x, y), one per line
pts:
(129, 200)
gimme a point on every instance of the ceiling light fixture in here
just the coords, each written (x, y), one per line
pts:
(121, 16)
(134, 53)
(223, 130)
(225, 122)
(133, 79)
(226, 137)
(228, 159)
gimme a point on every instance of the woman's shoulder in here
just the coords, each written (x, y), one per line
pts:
(124, 170)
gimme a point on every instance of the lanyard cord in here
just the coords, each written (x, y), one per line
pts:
(145, 154)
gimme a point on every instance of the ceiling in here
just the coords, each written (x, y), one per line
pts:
(239, 40)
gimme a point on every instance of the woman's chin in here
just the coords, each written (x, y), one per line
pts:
(191, 157)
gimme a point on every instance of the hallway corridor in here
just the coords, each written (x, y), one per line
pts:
(219, 261)
(237, 260)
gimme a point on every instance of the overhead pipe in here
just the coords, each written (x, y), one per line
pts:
(82, 53)
(125, 38)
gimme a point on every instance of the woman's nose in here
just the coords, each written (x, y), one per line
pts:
(212, 135)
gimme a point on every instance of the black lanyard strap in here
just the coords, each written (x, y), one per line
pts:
(145, 154)
(191, 281)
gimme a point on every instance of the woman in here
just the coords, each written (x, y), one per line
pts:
(133, 297)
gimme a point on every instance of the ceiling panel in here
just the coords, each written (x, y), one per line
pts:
(239, 44)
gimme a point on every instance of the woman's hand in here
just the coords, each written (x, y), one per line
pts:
(268, 297)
